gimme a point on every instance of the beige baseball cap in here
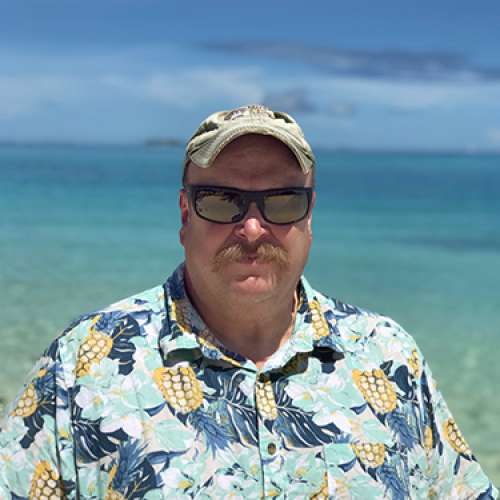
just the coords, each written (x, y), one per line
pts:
(219, 129)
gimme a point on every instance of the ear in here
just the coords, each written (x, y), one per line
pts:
(184, 208)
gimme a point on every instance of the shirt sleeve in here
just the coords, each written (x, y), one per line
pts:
(451, 468)
(35, 439)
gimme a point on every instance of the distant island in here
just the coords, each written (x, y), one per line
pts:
(182, 143)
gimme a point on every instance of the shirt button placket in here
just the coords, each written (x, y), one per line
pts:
(268, 442)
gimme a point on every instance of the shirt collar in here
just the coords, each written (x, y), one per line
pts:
(185, 330)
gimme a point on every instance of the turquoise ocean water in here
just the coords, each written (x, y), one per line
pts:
(415, 237)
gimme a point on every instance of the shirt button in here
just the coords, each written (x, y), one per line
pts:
(271, 448)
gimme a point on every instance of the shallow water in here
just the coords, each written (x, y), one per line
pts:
(413, 237)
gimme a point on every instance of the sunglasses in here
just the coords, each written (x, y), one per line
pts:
(227, 205)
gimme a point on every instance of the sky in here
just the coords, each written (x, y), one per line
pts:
(356, 74)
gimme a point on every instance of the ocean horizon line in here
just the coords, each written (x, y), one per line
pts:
(177, 144)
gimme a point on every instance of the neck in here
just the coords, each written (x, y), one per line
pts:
(252, 328)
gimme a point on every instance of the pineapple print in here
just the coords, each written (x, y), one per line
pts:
(370, 454)
(45, 483)
(318, 320)
(180, 313)
(455, 438)
(28, 403)
(322, 493)
(428, 439)
(95, 347)
(376, 389)
(180, 388)
(265, 398)
(413, 362)
(207, 339)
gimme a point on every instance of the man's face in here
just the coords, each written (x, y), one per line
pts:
(270, 258)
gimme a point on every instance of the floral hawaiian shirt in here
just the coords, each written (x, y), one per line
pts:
(139, 400)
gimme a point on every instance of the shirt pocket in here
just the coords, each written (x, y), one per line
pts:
(367, 470)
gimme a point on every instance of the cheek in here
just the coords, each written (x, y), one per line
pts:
(190, 233)
(203, 238)
(295, 237)
(298, 243)
(185, 235)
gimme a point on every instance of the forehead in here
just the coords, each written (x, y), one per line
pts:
(256, 159)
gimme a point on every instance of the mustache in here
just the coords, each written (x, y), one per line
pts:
(242, 251)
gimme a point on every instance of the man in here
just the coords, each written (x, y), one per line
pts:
(236, 379)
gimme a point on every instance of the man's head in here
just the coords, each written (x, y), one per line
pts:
(219, 129)
(239, 239)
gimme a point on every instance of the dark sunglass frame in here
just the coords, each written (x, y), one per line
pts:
(246, 198)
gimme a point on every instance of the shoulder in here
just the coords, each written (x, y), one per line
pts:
(363, 333)
(140, 307)
(111, 333)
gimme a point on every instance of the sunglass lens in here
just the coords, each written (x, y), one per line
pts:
(287, 207)
(217, 206)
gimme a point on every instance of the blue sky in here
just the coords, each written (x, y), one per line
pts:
(361, 74)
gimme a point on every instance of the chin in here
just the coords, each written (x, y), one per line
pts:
(254, 285)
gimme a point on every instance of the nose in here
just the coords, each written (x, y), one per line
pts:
(253, 227)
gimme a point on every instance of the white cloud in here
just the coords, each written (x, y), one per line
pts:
(23, 95)
(370, 64)
(411, 96)
(293, 100)
(142, 73)
(117, 84)
(191, 87)
(494, 136)
(342, 109)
